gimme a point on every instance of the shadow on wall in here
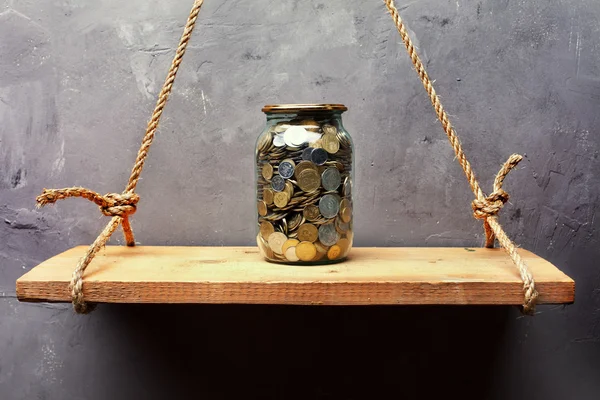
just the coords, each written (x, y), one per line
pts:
(288, 352)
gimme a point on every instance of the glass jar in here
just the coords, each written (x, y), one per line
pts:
(304, 173)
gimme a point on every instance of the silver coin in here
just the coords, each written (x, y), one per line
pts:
(347, 187)
(328, 236)
(278, 141)
(278, 184)
(330, 178)
(286, 169)
(312, 137)
(295, 136)
(318, 156)
(329, 206)
(306, 153)
(342, 226)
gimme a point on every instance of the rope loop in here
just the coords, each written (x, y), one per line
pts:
(491, 205)
(120, 204)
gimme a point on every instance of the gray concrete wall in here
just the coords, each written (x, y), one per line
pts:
(78, 81)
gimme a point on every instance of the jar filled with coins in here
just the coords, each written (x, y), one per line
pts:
(304, 161)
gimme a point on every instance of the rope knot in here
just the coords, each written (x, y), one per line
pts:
(119, 204)
(491, 205)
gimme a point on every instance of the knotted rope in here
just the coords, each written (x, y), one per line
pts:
(120, 206)
(484, 207)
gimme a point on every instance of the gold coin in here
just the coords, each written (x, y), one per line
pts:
(331, 144)
(262, 208)
(268, 196)
(329, 129)
(281, 199)
(265, 140)
(311, 212)
(267, 171)
(319, 256)
(308, 233)
(295, 221)
(317, 144)
(334, 252)
(344, 203)
(345, 245)
(266, 228)
(306, 251)
(289, 243)
(289, 189)
(290, 254)
(302, 166)
(276, 241)
(321, 250)
(310, 125)
(346, 214)
(309, 180)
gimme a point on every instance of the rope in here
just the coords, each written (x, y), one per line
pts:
(484, 207)
(120, 206)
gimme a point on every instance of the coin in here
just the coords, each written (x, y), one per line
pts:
(266, 228)
(306, 153)
(289, 189)
(312, 137)
(330, 143)
(290, 254)
(262, 208)
(265, 140)
(281, 127)
(311, 212)
(295, 136)
(295, 221)
(289, 243)
(321, 250)
(267, 171)
(345, 246)
(268, 196)
(334, 252)
(347, 186)
(281, 199)
(264, 249)
(276, 241)
(306, 251)
(308, 233)
(310, 125)
(278, 141)
(278, 183)
(331, 179)
(345, 203)
(304, 165)
(286, 169)
(346, 214)
(328, 235)
(341, 226)
(318, 156)
(309, 180)
(329, 129)
(329, 206)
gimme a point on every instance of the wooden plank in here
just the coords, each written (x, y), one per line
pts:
(145, 274)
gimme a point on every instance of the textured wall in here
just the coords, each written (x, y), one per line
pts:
(78, 81)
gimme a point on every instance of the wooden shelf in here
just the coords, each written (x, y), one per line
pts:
(145, 274)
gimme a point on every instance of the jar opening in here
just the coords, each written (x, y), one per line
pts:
(295, 108)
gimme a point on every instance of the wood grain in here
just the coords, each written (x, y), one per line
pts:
(145, 274)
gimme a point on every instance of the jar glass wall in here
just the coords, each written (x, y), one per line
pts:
(304, 174)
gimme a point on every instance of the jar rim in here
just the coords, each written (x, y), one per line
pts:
(289, 108)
